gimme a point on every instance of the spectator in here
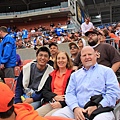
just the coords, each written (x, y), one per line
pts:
(19, 34)
(50, 35)
(32, 30)
(106, 33)
(52, 24)
(90, 91)
(7, 53)
(101, 37)
(86, 26)
(56, 39)
(39, 41)
(107, 54)
(9, 29)
(65, 38)
(117, 28)
(111, 29)
(74, 36)
(54, 88)
(73, 50)
(59, 31)
(25, 35)
(29, 44)
(32, 79)
(81, 42)
(53, 50)
(68, 21)
(20, 44)
(13, 34)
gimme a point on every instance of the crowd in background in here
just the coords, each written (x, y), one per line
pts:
(40, 36)
(45, 80)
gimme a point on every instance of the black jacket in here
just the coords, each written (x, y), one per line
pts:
(94, 101)
(47, 91)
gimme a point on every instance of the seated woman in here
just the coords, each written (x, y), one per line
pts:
(55, 86)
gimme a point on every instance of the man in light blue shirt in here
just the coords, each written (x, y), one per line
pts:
(93, 79)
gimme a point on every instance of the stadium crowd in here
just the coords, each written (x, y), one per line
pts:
(80, 86)
(41, 35)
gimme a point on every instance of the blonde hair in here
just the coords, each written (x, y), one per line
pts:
(69, 62)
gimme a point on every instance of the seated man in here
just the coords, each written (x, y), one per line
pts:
(93, 84)
(32, 79)
(21, 111)
(106, 54)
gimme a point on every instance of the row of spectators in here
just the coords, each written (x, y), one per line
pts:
(40, 36)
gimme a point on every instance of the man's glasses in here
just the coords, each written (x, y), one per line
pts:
(91, 34)
(73, 47)
(42, 55)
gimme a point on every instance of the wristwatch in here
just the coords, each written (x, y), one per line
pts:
(99, 105)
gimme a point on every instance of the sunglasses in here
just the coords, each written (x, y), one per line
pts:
(73, 47)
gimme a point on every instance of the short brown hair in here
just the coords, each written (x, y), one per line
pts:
(43, 49)
(69, 62)
(3, 28)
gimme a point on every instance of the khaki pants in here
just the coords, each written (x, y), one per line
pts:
(46, 110)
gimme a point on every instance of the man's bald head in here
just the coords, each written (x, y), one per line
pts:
(87, 48)
(88, 56)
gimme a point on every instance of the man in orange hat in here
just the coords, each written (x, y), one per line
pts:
(20, 111)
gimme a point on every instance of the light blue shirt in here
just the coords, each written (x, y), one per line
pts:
(24, 34)
(97, 80)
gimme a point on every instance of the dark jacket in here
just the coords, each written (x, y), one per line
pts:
(48, 93)
(19, 91)
(94, 101)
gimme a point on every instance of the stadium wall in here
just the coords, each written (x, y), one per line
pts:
(36, 23)
(32, 55)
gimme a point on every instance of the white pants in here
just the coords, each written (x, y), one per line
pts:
(66, 112)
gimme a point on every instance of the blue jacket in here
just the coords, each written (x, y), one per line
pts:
(8, 52)
(59, 31)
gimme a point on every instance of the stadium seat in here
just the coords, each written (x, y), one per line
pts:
(17, 71)
(11, 82)
(24, 62)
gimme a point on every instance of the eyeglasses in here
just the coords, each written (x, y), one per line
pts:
(73, 47)
(42, 55)
(91, 34)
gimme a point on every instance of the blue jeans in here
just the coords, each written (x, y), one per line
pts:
(36, 104)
